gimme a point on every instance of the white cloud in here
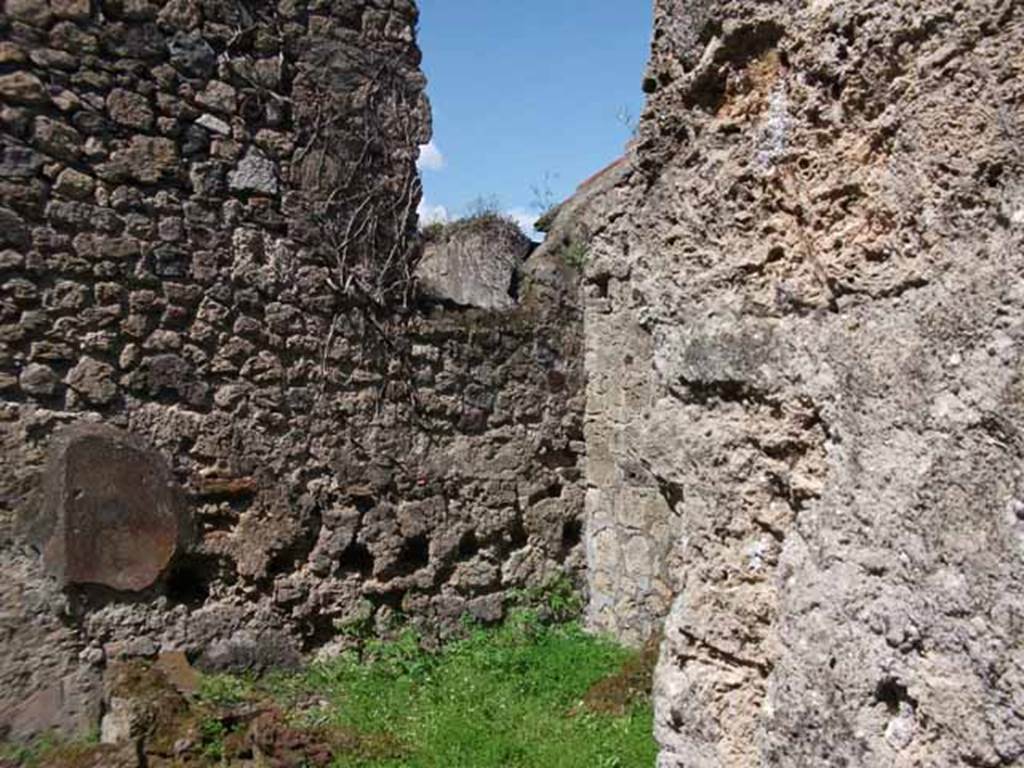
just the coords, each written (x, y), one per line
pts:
(432, 214)
(431, 158)
(526, 219)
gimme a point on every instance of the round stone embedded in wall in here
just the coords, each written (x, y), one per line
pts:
(112, 513)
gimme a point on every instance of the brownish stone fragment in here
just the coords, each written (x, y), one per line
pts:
(226, 487)
(112, 514)
(11, 53)
(34, 12)
(178, 671)
(22, 88)
(77, 10)
(146, 159)
(130, 109)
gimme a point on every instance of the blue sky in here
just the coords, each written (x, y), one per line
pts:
(526, 95)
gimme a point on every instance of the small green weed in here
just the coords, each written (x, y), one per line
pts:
(576, 254)
(213, 732)
(557, 601)
(26, 754)
(225, 690)
(50, 750)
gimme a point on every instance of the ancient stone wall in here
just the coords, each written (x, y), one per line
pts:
(807, 339)
(228, 426)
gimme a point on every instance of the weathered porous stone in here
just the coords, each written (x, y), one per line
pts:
(35, 12)
(804, 341)
(38, 380)
(13, 229)
(130, 109)
(22, 88)
(74, 184)
(145, 159)
(112, 515)
(181, 14)
(11, 53)
(191, 54)
(74, 10)
(218, 97)
(93, 381)
(252, 652)
(18, 162)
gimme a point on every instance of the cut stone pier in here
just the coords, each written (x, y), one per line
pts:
(112, 514)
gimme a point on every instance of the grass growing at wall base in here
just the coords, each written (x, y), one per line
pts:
(527, 694)
(506, 697)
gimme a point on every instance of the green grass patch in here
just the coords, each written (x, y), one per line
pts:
(49, 750)
(505, 697)
(535, 692)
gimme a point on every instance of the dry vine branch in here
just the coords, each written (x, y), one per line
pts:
(365, 104)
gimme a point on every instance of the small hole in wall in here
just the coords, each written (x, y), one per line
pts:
(556, 381)
(251, 109)
(891, 692)
(552, 491)
(319, 631)
(518, 537)
(188, 582)
(415, 554)
(468, 545)
(992, 174)
(357, 558)
(515, 285)
(572, 534)
(553, 458)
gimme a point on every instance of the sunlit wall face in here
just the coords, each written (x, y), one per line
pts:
(530, 98)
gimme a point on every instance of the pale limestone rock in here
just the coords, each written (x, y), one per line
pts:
(38, 380)
(214, 124)
(93, 381)
(473, 263)
(804, 334)
(254, 173)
